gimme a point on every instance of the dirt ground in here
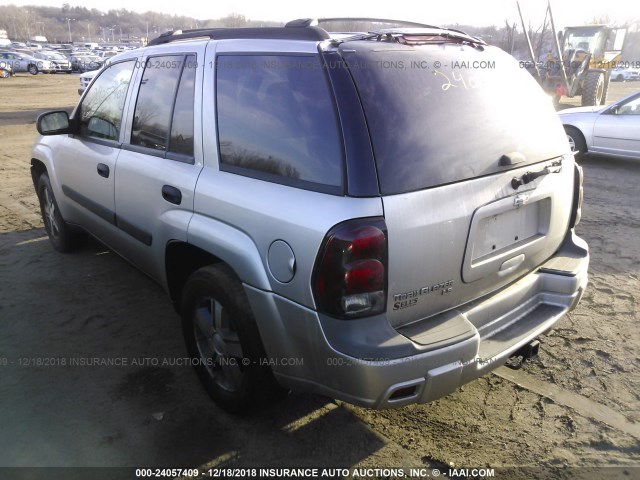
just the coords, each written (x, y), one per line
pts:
(576, 407)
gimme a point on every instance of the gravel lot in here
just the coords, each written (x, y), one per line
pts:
(577, 406)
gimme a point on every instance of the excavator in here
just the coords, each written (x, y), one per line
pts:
(582, 62)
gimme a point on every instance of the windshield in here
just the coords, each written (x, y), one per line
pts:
(440, 114)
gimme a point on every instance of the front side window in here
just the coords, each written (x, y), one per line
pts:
(101, 109)
(632, 107)
(163, 118)
(277, 120)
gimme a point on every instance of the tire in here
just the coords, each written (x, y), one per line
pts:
(593, 91)
(33, 69)
(223, 341)
(62, 237)
(4, 73)
(620, 78)
(576, 141)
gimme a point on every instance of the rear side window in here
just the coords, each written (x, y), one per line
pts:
(277, 121)
(181, 140)
(163, 118)
(101, 108)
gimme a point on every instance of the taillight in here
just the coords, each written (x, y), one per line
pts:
(578, 196)
(350, 275)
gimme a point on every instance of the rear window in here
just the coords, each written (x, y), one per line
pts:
(441, 114)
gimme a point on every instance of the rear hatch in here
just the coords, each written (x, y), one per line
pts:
(456, 129)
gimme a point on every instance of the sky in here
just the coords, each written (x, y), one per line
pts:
(463, 12)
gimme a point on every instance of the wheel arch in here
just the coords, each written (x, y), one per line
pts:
(568, 126)
(210, 242)
(42, 161)
(37, 168)
(181, 260)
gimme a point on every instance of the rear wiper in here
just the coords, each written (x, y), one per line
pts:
(555, 167)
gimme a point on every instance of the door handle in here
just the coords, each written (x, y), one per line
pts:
(103, 170)
(171, 194)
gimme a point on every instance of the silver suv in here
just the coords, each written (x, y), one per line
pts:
(377, 217)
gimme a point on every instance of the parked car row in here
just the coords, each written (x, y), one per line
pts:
(50, 62)
(53, 59)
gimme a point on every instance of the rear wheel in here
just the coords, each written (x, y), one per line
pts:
(593, 91)
(33, 69)
(223, 341)
(4, 73)
(576, 141)
(62, 237)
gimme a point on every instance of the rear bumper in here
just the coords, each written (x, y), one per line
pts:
(366, 362)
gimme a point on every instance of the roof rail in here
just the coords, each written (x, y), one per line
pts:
(314, 22)
(267, 33)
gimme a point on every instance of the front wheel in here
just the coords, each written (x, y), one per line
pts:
(223, 341)
(33, 69)
(576, 141)
(60, 234)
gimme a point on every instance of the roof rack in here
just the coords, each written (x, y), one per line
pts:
(268, 33)
(300, 29)
(314, 22)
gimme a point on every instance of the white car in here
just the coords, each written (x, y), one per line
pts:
(85, 80)
(612, 130)
(622, 74)
(59, 62)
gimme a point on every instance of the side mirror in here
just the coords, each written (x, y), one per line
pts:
(53, 123)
